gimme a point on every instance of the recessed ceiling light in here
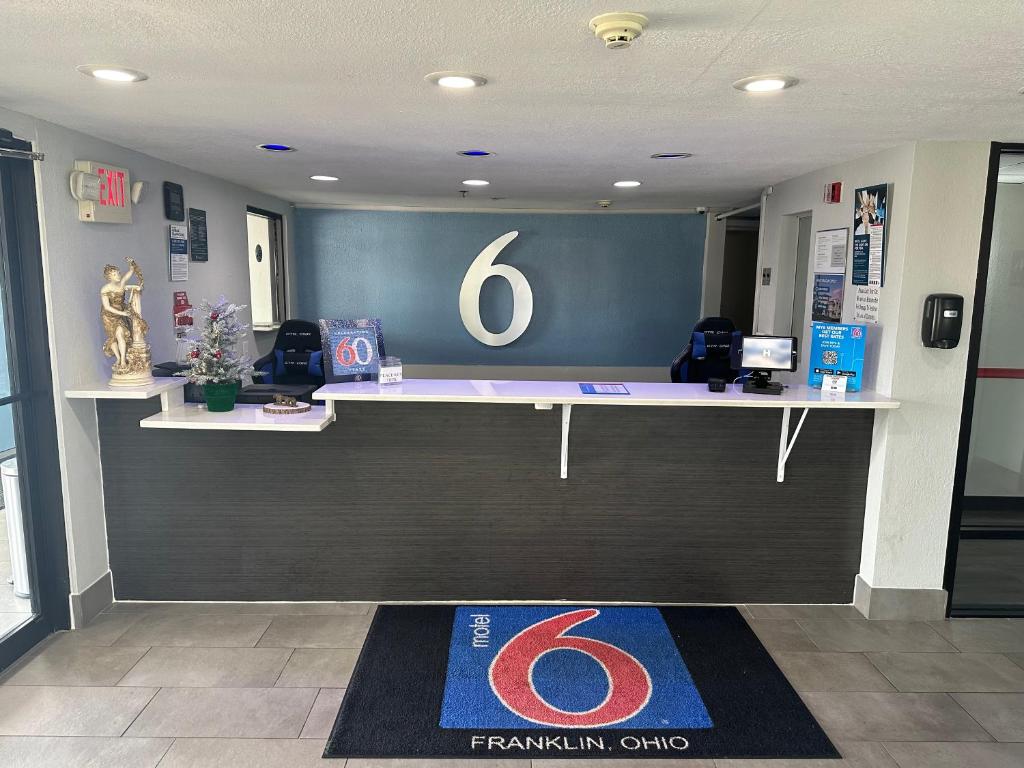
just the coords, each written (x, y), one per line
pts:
(627, 183)
(276, 148)
(765, 83)
(476, 183)
(457, 80)
(321, 177)
(671, 155)
(113, 74)
(474, 153)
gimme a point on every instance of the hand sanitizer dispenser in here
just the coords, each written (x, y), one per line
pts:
(943, 317)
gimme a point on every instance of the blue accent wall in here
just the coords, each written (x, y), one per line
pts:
(608, 290)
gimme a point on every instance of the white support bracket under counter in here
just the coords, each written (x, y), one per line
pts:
(544, 395)
(175, 413)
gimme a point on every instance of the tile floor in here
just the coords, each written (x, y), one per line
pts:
(258, 685)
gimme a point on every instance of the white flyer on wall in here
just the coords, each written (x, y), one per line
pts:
(177, 252)
(830, 250)
(865, 303)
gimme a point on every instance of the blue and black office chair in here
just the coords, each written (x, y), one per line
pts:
(707, 354)
(297, 356)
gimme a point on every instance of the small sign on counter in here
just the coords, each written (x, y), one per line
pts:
(603, 389)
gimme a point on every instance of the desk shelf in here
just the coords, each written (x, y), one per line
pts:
(244, 417)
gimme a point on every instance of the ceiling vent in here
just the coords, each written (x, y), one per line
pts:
(618, 30)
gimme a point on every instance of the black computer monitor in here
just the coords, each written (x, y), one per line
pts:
(761, 355)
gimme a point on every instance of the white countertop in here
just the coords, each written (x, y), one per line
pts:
(103, 391)
(244, 417)
(568, 393)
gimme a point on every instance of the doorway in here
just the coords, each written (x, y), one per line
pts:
(985, 556)
(799, 323)
(739, 269)
(268, 294)
(33, 554)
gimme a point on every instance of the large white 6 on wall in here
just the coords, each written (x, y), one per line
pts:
(483, 266)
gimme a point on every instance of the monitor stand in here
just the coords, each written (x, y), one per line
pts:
(760, 383)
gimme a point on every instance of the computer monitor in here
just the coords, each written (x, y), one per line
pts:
(760, 355)
(768, 353)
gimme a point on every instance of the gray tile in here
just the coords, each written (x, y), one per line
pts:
(614, 763)
(861, 635)
(856, 754)
(69, 711)
(319, 668)
(201, 630)
(247, 753)
(804, 612)
(981, 672)
(381, 762)
(983, 635)
(269, 609)
(825, 671)
(893, 717)
(105, 629)
(256, 713)
(951, 755)
(782, 635)
(323, 714)
(68, 664)
(1016, 658)
(80, 752)
(1001, 714)
(316, 632)
(165, 667)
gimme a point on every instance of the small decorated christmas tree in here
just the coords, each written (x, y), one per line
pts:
(213, 357)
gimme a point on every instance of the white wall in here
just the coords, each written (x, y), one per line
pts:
(935, 207)
(74, 254)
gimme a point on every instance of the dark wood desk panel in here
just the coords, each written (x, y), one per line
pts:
(433, 501)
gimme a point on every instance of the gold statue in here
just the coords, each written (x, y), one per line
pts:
(121, 313)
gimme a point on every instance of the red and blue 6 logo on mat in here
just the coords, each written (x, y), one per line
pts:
(562, 667)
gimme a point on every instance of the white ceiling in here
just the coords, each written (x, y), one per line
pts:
(343, 82)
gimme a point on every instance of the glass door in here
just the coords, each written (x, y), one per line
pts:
(987, 575)
(33, 558)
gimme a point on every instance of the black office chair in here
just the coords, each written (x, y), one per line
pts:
(707, 354)
(297, 356)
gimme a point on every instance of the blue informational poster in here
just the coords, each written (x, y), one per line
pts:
(869, 234)
(837, 349)
(352, 349)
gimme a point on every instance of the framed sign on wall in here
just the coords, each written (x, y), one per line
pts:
(352, 349)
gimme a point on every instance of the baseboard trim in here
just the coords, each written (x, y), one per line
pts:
(92, 601)
(898, 604)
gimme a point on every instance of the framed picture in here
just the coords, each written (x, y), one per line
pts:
(352, 349)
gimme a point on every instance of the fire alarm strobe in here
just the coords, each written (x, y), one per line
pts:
(618, 30)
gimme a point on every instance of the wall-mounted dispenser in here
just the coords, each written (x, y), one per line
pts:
(942, 320)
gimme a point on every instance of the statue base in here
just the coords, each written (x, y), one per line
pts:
(137, 370)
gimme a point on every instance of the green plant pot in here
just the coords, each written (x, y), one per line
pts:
(220, 397)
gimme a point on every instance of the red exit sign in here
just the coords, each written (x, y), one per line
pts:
(112, 187)
(109, 200)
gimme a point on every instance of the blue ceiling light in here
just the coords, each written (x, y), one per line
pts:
(474, 153)
(276, 148)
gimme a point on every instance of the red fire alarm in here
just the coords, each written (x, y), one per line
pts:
(834, 192)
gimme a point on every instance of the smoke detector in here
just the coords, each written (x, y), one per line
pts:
(603, 203)
(618, 30)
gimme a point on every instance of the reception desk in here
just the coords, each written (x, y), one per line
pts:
(491, 490)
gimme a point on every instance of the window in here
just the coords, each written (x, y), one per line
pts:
(268, 295)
